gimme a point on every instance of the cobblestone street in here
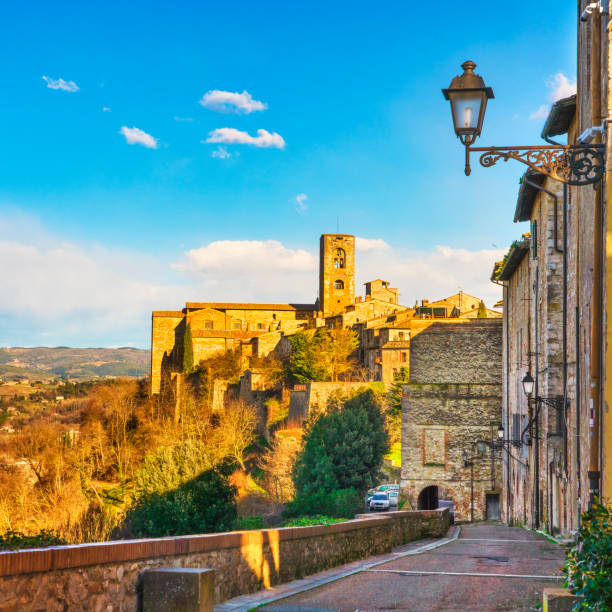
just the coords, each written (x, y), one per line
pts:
(489, 567)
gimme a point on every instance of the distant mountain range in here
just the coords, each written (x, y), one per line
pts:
(44, 363)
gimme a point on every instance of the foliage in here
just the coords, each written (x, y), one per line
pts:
(269, 369)
(342, 503)
(588, 566)
(202, 505)
(307, 521)
(187, 350)
(303, 364)
(16, 540)
(394, 395)
(248, 523)
(482, 311)
(225, 365)
(277, 463)
(343, 448)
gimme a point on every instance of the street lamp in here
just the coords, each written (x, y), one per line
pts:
(528, 384)
(577, 164)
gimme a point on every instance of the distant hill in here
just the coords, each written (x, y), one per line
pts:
(46, 363)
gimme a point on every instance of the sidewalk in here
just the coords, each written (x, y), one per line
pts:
(282, 591)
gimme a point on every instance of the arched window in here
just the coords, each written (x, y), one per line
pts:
(339, 284)
(340, 259)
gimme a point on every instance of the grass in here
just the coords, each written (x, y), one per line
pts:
(307, 521)
(395, 454)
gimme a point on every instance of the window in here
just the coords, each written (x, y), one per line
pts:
(236, 324)
(516, 426)
(400, 335)
(534, 238)
(339, 284)
(340, 259)
(260, 326)
(403, 357)
(208, 324)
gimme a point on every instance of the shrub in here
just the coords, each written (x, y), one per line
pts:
(247, 523)
(15, 540)
(588, 566)
(203, 505)
(344, 503)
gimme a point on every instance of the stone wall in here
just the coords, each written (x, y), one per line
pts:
(453, 401)
(458, 353)
(108, 575)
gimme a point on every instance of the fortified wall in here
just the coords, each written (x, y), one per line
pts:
(453, 401)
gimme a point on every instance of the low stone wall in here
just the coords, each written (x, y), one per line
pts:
(105, 574)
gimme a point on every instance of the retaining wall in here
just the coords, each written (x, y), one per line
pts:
(108, 575)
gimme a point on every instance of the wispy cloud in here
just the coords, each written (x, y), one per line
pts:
(106, 109)
(263, 139)
(300, 203)
(231, 102)
(370, 244)
(221, 153)
(541, 112)
(135, 136)
(559, 86)
(183, 119)
(70, 86)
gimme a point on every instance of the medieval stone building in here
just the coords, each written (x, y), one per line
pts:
(451, 410)
(384, 326)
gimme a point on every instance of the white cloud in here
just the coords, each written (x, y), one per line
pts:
(370, 244)
(231, 101)
(70, 86)
(106, 109)
(245, 257)
(221, 153)
(300, 203)
(135, 136)
(183, 119)
(540, 113)
(264, 139)
(560, 86)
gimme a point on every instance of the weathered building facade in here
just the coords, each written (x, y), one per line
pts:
(451, 410)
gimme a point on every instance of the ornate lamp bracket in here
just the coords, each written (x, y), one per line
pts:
(571, 164)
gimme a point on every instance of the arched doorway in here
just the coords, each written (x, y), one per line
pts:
(428, 498)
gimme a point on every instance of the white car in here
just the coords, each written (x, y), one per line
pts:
(393, 497)
(379, 501)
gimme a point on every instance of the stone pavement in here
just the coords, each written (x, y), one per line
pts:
(488, 567)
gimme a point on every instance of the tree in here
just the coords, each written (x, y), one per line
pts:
(394, 395)
(278, 463)
(236, 431)
(187, 350)
(336, 348)
(344, 448)
(482, 311)
(303, 363)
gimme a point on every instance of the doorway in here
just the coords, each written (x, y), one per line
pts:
(428, 498)
(493, 507)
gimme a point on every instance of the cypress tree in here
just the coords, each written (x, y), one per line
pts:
(482, 311)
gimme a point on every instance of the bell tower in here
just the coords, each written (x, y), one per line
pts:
(336, 273)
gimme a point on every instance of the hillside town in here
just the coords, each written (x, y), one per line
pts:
(413, 416)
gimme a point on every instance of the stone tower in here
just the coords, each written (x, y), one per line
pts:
(336, 273)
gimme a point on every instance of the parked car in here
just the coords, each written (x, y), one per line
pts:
(393, 497)
(369, 495)
(379, 501)
(388, 487)
(444, 503)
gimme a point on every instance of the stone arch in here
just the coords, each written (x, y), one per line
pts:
(339, 284)
(339, 258)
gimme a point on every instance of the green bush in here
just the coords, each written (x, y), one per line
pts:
(588, 566)
(344, 503)
(307, 521)
(203, 505)
(247, 523)
(15, 540)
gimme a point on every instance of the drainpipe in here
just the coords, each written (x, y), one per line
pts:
(596, 304)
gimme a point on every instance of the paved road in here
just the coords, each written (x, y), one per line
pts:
(490, 567)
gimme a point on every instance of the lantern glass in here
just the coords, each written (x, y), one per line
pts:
(467, 106)
(481, 447)
(500, 432)
(528, 383)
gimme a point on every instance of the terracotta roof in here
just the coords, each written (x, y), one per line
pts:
(515, 256)
(248, 306)
(226, 333)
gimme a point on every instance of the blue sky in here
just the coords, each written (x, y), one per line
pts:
(94, 231)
